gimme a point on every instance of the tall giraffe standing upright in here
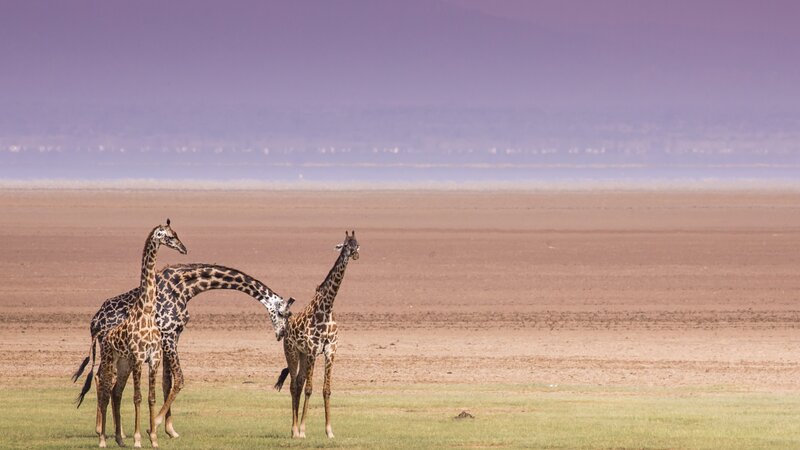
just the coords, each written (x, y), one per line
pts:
(135, 341)
(311, 333)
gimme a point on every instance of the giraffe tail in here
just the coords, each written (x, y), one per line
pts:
(88, 383)
(282, 378)
(78, 372)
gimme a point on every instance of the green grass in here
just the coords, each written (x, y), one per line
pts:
(213, 416)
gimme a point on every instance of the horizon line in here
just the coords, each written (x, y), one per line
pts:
(705, 184)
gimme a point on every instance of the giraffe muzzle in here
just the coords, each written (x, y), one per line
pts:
(180, 247)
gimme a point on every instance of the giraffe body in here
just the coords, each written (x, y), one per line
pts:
(311, 333)
(177, 284)
(134, 343)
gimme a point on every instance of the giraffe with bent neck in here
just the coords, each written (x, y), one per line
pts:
(311, 333)
(177, 284)
(134, 342)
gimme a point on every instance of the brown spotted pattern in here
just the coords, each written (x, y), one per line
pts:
(176, 285)
(311, 333)
(134, 342)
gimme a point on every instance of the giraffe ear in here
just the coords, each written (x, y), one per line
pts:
(339, 246)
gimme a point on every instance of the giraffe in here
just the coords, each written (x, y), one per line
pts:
(135, 341)
(177, 284)
(311, 333)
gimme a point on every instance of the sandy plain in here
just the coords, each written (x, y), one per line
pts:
(669, 289)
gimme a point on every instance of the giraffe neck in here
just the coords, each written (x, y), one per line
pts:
(326, 292)
(202, 278)
(147, 283)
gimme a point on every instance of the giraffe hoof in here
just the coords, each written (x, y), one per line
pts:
(153, 438)
(119, 440)
(170, 429)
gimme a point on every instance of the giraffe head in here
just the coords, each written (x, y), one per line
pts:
(350, 245)
(164, 235)
(278, 310)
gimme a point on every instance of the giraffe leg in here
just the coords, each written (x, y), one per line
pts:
(105, 382)
(172, 372)
(171, 391)
(137, 402)
(326, 394)
(151, 400)
(123, 371)
(309, 377)
(97, 381)
(295, 372)
(166, 385)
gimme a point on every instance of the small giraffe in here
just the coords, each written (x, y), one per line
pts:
(177, 284)
(311, 333)
(135, 341)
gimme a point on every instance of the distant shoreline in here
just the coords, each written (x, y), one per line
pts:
(580, 185)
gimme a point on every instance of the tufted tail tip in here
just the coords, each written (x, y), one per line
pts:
(86, 386)
(281, 379)
(78, 372)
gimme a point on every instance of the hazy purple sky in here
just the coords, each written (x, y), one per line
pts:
(659, 83)
(773, 16)
(621, 55)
